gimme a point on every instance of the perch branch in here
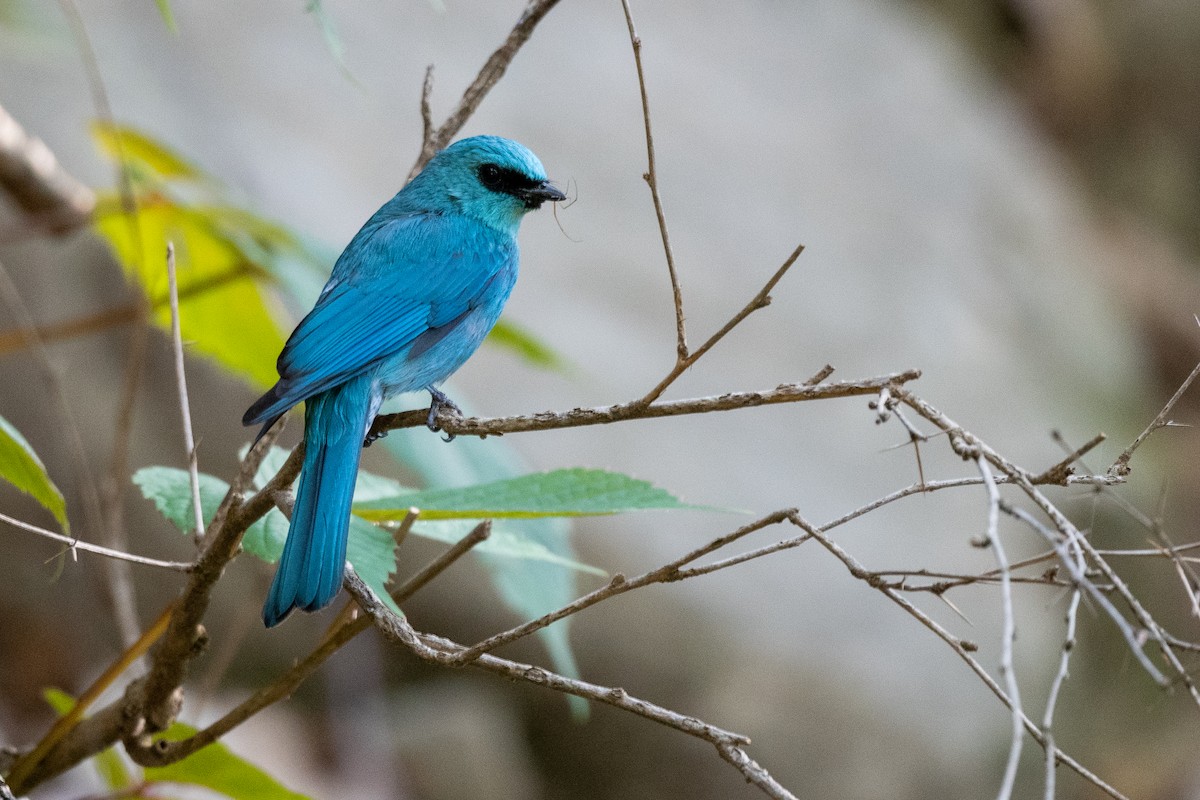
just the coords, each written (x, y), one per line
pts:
(579, 417)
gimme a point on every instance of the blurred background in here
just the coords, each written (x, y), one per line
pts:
(1002, 194)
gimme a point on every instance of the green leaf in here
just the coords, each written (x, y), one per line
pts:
(505, 541)
(171, 492)
(139, 152)
(561, 493)
(513, 337)
(21, 467)
(216, 767)
(108, 763)
(164, 8)
(223, 311)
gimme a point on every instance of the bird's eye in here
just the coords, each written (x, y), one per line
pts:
(489, 175)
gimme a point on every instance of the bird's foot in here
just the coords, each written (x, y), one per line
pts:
(440, 401)
(374, 436)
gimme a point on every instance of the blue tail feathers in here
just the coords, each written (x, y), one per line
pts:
(309, 574)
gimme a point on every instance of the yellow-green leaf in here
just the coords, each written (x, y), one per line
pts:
(532, 349)
(218, 768)
(21, 467)
(141, 153)
(223, 310)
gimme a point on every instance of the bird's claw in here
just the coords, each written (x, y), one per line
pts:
(440, 401)
(373, 436)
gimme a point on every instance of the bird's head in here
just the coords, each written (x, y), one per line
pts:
(494, 180)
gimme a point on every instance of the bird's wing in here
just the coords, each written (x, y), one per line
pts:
(391, 285)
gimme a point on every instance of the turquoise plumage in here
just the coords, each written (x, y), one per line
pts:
(410, 299)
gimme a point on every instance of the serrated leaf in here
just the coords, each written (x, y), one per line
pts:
(108, 762)
(20, 466)
(223, 311)
(509, 335)
(506, 543)
(170, 490)
(561, 493)
(139, 152)
(218, 768)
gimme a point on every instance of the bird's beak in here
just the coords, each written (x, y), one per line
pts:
(533, 197)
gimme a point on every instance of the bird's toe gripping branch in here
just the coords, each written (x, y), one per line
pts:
(438, 402)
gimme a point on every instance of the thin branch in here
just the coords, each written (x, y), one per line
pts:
(1121, 465)
(74, 543)
(651, 178)
(1060, 472)
(96, 322)
(426, 112)
(436, 567)
(1132, 638)
(31, 761)
(118, 581)
(619, 584)
(489, 74)
(438, 650)
(1009, 635)
(1064, 663)
(760, 300)
(579, 417)
(961, 438)
(185, 412)
(961, 647)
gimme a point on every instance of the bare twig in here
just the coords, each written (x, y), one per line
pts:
(185, 413)
(426, 111)
(74, 543)
(1076, 568)
(95, 322)
(619, 584)
(489, 74)
(651, 178)
(1121, 465)
(1009, 635)
(961, 647)
(760, 300)
(1060, 677)
(1060, 472)
(963, 438)
(44, 750)
(438, 650)
(436, 567)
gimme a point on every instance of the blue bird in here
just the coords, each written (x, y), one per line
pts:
(410, 299)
